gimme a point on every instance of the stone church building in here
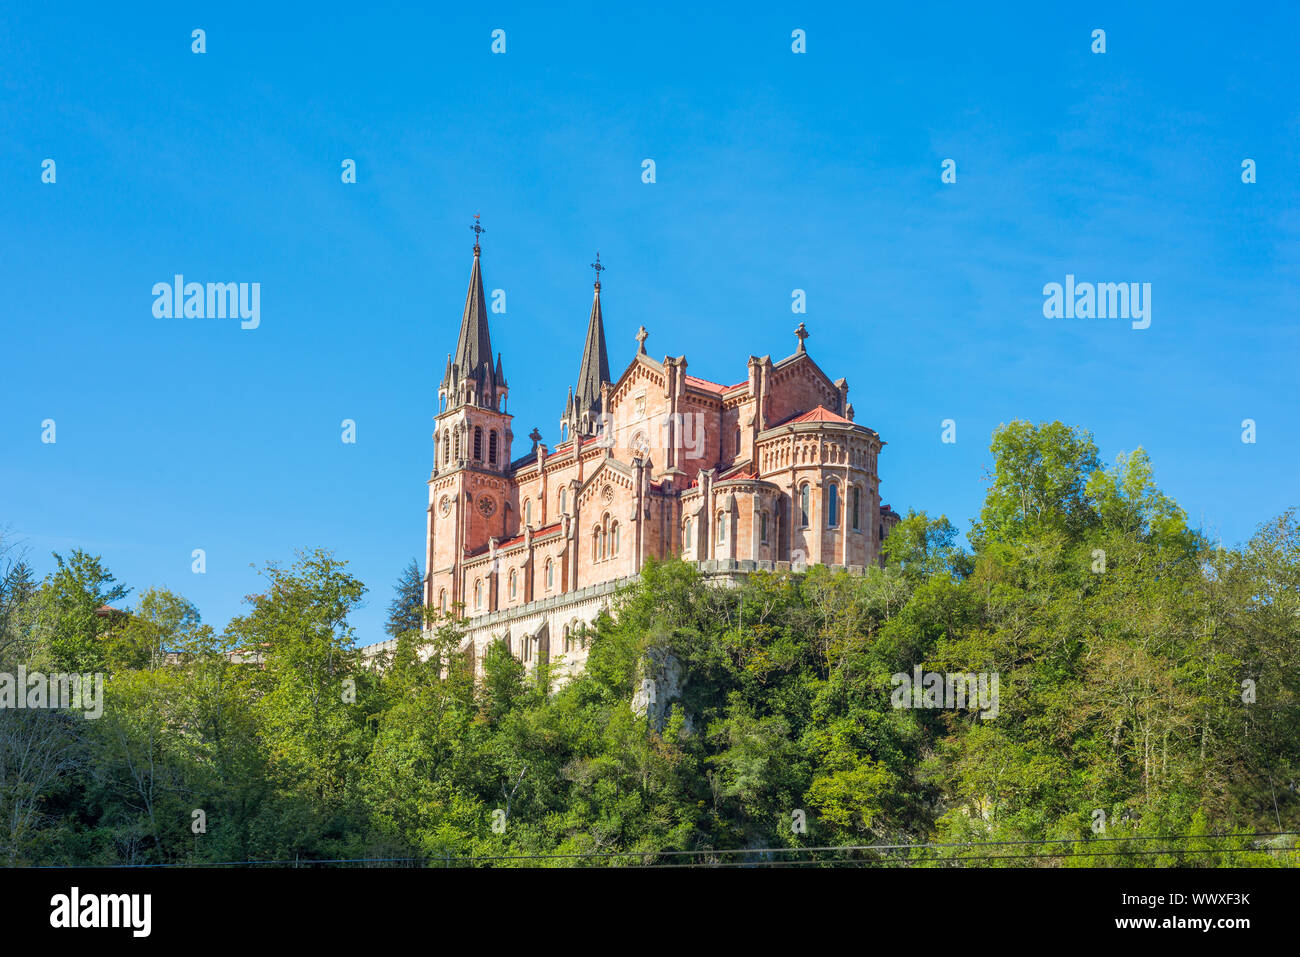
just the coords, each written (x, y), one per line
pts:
(768, 472)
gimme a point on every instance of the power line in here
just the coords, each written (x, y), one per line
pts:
(909, 861)
(830, 848)
(877, 847)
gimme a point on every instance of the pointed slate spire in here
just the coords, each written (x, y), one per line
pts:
(566, 420)
(474, 347)
(500, 373)
(595, 359)
(446, 376)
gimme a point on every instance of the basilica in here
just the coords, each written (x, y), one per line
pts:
(769, 472)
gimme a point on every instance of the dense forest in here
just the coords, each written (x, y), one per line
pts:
(1147, 706)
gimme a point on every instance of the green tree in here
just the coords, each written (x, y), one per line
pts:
(1038, 482)
(922, 547)
(314, 699)
(406, 610)
(69, 624)
(162, 622)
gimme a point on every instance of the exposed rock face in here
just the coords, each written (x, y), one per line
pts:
(659, 687)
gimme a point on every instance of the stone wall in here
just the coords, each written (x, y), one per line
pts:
(537, 631)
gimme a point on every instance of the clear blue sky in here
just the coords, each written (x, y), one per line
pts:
(775, 171)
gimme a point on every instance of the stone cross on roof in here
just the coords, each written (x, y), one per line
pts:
(641, 337)
(803, 333)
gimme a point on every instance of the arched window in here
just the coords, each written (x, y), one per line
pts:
(600, 537)
(613, 545)
(804, 498)
(686, 534)
(478, 595)
(722, 527)
(833, 506)
(762, 527)
(513, 584)
(738, 443)
(566, 638)
(442, 601)
(528, 511)
(550, 575)
(492, 448)
(446, 446)
(857, 489)
(456, 441)
(561, 499)
(478, 444)
(595, 544)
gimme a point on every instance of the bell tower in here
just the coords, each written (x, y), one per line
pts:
(469, 500)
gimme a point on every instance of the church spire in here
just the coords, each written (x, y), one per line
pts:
(473, 357)
(595, 360)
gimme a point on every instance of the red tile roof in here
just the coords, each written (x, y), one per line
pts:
(546, 530)
(705, 384)
(567, 445)
(819, 414)
(715, 387)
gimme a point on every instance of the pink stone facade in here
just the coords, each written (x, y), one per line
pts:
(769, 470)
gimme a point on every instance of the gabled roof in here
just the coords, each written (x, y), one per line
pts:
(738, 470)
(612, 464)
(638, 360)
